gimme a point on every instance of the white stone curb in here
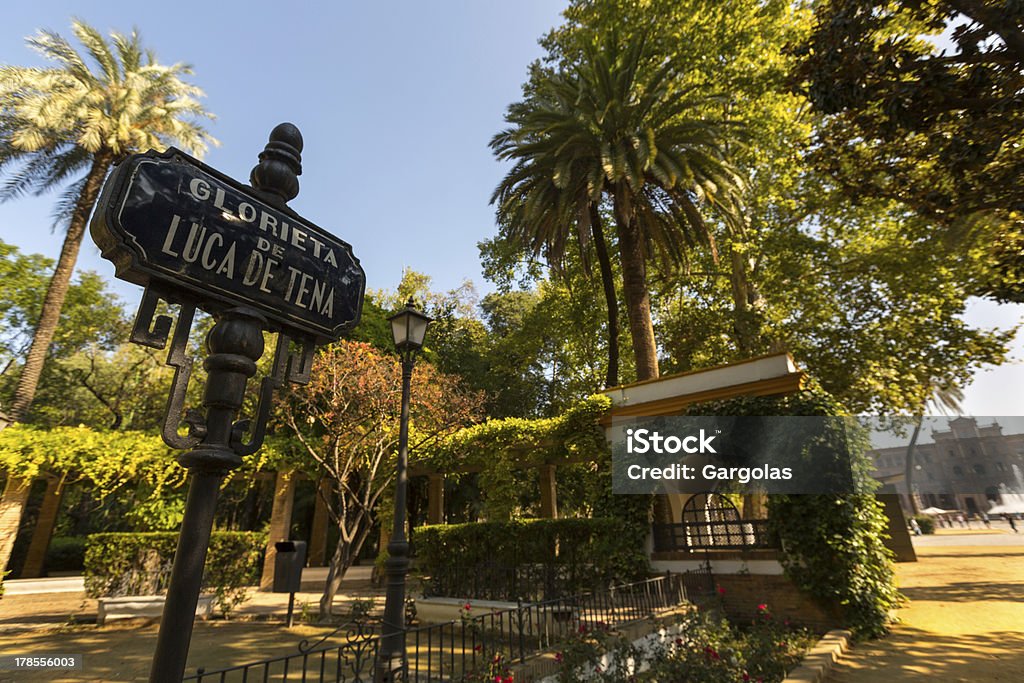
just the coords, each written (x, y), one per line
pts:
(821, 659)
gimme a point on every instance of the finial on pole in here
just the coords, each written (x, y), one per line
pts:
(280, 163)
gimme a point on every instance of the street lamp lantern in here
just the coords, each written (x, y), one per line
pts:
(409, 327)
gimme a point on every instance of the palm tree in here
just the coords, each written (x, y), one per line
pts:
(56, 123)
(618, 125)
(59, 122)
(547, 193)
(945, 397)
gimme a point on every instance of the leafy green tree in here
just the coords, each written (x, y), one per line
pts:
(58, 122)
(618, 120)
(734, 55)
(92, 316)
(938, 130)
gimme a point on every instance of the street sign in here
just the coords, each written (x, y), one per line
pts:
(170, 220)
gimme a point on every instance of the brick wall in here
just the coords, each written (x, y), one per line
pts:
(744, 592)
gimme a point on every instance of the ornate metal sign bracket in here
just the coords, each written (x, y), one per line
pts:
(153, 332)
(196, 238)
(288, 366)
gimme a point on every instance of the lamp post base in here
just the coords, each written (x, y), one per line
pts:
(389, 669)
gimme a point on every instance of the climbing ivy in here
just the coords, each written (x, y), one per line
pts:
(130, 463)
(832, 545)
(503, 450)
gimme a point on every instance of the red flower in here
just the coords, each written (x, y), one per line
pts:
(558, 657)
(763, 607)
(721, 591)
(497, 679)
(508, 679)
(478, 648)
(679, 641)
(467, 607)
(746, 676)
(583, 628)
(711, 652)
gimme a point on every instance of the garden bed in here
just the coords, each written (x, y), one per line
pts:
(696, 646)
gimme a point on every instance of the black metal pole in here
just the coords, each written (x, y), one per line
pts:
(235, 344)
(391, 657)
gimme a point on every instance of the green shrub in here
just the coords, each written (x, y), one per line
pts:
(707, 649)
(140, 564)
(66, 553)
(926, 523)
(832, 545)
(559, 555)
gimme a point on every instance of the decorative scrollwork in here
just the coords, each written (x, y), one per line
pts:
(287, 366)
(153, 331)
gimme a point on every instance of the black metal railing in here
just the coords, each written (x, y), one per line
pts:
(741, 534)
(466, 648)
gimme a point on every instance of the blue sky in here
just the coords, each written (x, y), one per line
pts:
(396, 101)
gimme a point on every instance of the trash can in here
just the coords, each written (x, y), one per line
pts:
(288, 564)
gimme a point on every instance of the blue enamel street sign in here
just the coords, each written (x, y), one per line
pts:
(169, 220)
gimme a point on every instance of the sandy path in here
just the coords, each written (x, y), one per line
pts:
(964, 622)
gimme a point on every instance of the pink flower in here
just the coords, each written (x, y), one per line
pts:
(763, 607)
(497, 679)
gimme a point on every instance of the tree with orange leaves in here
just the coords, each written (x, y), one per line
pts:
(346, 421)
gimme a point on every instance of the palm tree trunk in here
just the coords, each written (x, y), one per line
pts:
(638, 298)
(611, 301)
(58, 289)
(908, 472)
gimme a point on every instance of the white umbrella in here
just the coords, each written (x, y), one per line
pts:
(935, 511)
(1011, 507)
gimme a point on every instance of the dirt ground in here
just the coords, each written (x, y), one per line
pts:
(964, 621)
(64, 623)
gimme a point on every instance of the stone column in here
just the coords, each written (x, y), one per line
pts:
(548, 492)
(435, 499)
(280, 523)
(43, 530)
(11, 506)
(754, 506)
(318, 535)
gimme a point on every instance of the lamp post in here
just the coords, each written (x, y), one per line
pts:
(408, 327)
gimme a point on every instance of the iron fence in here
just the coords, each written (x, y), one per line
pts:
(466, 648)
(741, 534)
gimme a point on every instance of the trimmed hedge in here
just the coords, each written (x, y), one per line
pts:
(119, 564)
(532, 557)
(66, 553)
